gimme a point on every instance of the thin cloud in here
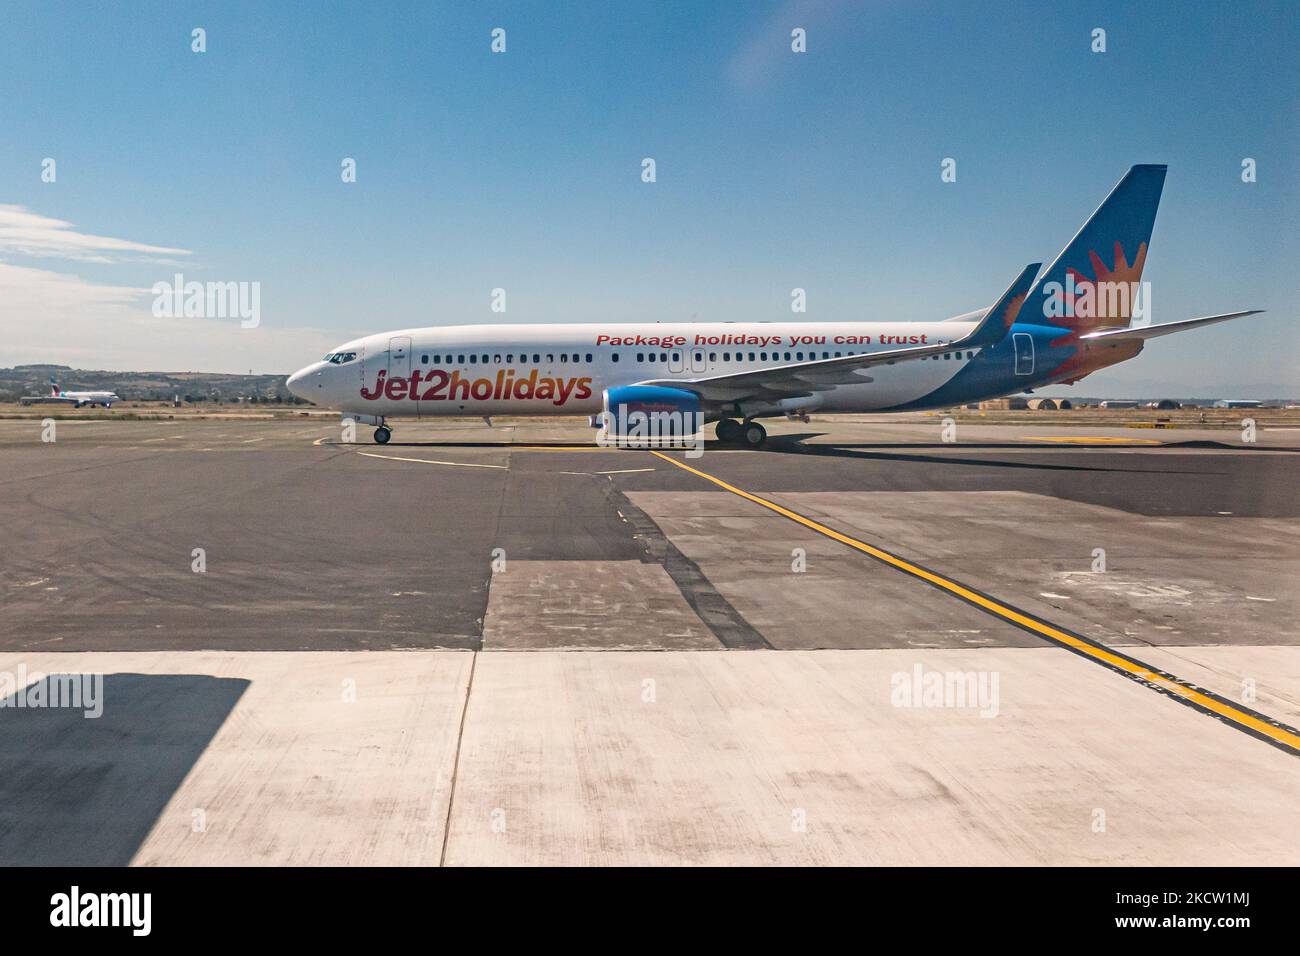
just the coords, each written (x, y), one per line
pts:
(26, 233)
(768, 48)
(66, 320)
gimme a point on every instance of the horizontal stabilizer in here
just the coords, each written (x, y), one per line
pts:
(1154, 331)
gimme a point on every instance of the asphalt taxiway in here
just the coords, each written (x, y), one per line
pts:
(484, 645)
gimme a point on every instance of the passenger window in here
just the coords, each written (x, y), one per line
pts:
(550, 356)
(652, 356)
(713, 356)
(663, 356)
(640, 356)
(970, 355)
(787, 356)
(424, 360)
(763, 356)
(460, 360)
(510, 358)
(614, 356)
(726, 356)
(564, 356)
(699, 356)
(473, 359)
(588, 356)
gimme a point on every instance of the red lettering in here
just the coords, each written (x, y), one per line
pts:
(370, 396)
(524, 387)
(566, 386)
(439, 378)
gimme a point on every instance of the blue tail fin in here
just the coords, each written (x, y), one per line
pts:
(1094, 282)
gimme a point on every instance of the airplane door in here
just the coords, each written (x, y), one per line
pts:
(1024, 345)
(399, 361)
(399, 357)
(675, 362)
(697, 360)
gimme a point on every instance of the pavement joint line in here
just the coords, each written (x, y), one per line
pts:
(1238, 717)
(455, 764)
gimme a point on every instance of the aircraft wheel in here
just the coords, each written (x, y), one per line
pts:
(728, 430)
(753, 434)
(382, 434)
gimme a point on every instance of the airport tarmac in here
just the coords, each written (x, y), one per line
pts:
(505, 645)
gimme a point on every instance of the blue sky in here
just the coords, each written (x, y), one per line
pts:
(522, 170)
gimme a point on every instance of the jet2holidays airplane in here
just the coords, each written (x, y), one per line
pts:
(1053, 327)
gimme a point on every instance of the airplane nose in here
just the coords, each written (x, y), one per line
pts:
(297, 383)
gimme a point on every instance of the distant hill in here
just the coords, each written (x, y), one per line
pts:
(145, 386)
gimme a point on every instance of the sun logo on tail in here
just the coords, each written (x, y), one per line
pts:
(1107, 299)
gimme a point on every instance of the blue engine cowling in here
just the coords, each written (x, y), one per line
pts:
(650, 415)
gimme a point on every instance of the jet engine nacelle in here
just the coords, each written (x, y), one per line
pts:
(646, 416)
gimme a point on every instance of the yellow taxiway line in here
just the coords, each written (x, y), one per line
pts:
(1093, 440)
(1241, 718)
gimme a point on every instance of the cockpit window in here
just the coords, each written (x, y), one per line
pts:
(338, 358)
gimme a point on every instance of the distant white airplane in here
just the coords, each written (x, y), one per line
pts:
(76, 399)
(1069, 322)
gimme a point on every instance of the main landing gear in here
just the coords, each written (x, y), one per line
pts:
(750, 434)
(382, 434)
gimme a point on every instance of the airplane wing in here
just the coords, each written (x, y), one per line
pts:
(803, 378)
(1168, 328)
(45, 400)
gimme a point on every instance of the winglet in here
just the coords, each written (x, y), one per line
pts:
(997, 322)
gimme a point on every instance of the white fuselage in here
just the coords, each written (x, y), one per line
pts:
(564, 369)
(90, 398)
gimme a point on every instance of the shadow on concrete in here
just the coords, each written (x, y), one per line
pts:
(86, 792)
